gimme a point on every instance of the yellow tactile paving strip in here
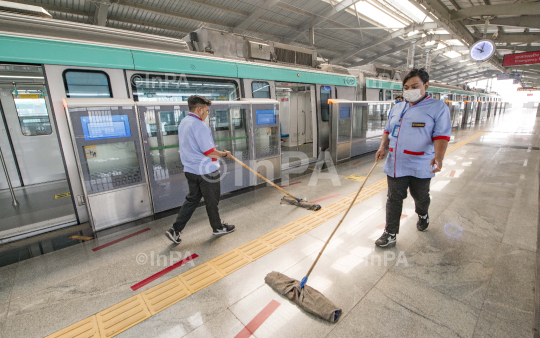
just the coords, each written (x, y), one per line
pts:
(122, 316)
(132, 311)
(357, 178)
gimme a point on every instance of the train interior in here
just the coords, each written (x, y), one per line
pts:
(296, 123)
(31, 150)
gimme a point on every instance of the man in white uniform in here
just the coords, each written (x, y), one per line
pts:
(416, 135)
(199, 156)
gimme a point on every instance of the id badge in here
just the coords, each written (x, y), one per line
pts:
(395, 132)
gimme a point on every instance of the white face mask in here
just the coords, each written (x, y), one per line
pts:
(412, 95)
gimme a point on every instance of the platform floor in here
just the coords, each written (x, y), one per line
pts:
(470, 275)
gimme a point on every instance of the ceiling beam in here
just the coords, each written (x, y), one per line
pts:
(520, 48)
(322, 17)
(438, 12)
(526, 21)
(486, 73)
(386, 38)
(55, 8)
(100, 15)
(433, 37)
(519, 8)
(265, 5)
(518, 37)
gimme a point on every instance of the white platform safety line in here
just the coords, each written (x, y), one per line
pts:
(132, 311)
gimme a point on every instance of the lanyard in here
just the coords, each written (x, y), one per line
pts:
(406, 106)
(402, 113)
(195, 116)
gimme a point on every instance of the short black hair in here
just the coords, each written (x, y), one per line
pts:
(195, 100)
(421, 73)
(399, 97)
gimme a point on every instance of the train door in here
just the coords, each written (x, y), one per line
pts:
(297, 122)
(30, 146)
(323, 93)
(80, 82)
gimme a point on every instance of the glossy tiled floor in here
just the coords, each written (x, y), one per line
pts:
(470, 275)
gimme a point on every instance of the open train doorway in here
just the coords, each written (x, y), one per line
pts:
(297, 123)
(32, 156)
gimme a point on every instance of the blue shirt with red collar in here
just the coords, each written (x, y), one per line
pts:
(412, 148)
(196, 141)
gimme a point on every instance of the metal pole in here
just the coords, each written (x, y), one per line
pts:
(14, 203)
(427, 61)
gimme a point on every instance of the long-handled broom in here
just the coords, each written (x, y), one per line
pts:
(288, 198)
(303, 295)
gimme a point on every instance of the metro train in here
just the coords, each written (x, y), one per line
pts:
(137, 84)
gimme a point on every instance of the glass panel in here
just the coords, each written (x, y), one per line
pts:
(260, 90)
(344, 130)
(267, 142)
(369, 121)
(149, 87)
(381, 98)
(87, 84)
(162, 132)
(326, 93)
(233, 139)
(388, 95)
(111, 166)
(33, 116)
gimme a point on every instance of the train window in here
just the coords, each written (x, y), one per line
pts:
(326, 94)
(33, 115)
(260, 90)
(153, 87)
(388, 95)
(87, 83)
(381, 95)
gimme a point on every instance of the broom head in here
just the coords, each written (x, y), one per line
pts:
(303, 204)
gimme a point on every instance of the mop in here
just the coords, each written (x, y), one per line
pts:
(288, 198)
(303, 295)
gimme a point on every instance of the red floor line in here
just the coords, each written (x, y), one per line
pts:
(163, 272)
(356, 163)
(258, 320)
(325, 198)
(120, 240)
(452, 173)
(283, 186)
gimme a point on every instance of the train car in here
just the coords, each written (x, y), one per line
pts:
(68, 175)
(466, 107)
(71, 176)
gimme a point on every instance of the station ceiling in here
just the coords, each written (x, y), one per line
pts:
(351, 33)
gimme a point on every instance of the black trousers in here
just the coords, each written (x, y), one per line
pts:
(397, 192)
(207, 186)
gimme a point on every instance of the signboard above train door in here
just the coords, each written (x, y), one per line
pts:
(521, 59)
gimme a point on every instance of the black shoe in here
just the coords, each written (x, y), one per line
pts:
(385, 240)
(422, 223)
(226, 229)
(173, 235)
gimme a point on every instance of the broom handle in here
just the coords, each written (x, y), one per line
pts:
(264, 178)
(346, 212)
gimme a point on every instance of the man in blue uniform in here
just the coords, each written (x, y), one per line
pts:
(199, 156)
(417, 134)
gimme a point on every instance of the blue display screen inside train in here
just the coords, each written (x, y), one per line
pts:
(344, 112)
(104, 127)
(265, 116)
